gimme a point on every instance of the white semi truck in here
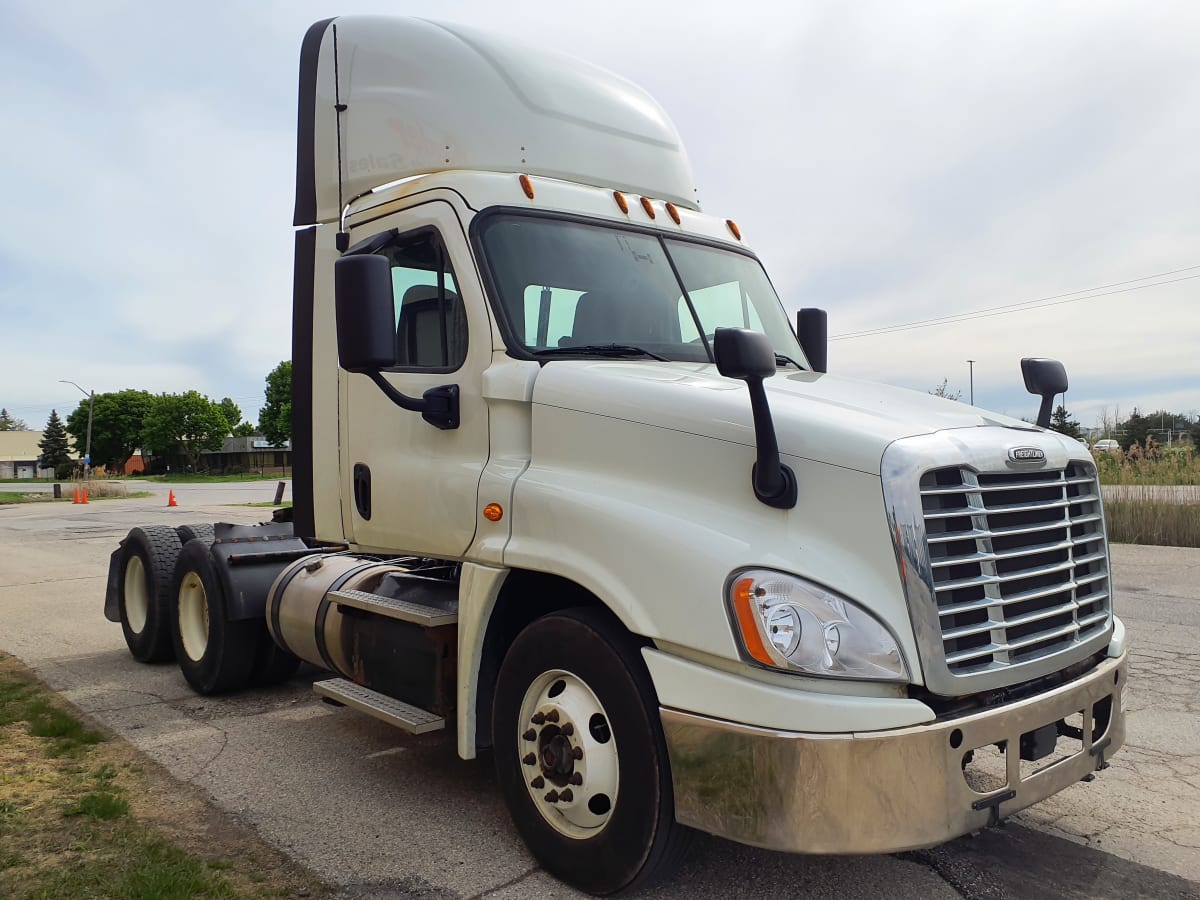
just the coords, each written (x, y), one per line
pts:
(569, 485)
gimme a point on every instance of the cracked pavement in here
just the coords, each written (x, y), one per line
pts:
(377, 813)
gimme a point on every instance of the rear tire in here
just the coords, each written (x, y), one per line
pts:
(202, 531)
(581, 757)
(148, 559)
(214, 654)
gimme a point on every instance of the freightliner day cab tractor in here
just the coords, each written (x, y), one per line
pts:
(570, 486)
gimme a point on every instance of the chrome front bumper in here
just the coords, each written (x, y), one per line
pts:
(882, 792)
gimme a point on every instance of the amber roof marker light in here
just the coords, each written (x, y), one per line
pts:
(622, 203)
(526, 186)
(648, 207)
(673, 212)
(733, 228)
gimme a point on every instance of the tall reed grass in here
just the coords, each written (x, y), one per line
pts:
(1153, 495)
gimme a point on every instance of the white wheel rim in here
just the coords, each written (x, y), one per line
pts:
(568, 754)
(137, 600)
(193, 616)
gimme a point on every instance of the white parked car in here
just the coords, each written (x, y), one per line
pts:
(1108, 445)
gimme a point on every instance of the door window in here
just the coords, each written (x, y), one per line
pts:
(431, 321)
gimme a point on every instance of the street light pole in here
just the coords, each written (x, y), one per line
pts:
(87, 453)
(971, 363)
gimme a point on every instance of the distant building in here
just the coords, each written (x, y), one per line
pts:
(247, 454)
(19, 452)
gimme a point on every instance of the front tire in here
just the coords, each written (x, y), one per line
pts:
(144, 602)
(214, 654)
(580, 754)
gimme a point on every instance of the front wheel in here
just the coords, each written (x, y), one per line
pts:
(580, 754)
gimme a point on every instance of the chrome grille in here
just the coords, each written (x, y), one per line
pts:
(1019, 563)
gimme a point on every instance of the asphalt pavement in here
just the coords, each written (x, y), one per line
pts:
(378, 813)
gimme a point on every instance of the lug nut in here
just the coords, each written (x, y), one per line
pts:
(538, 718)
(552, 716)
(576, 779)
(552, 797)
(568, 729)
(538, 783)
(529, 735)
(566, 796)
(529, 759)
(576, 753)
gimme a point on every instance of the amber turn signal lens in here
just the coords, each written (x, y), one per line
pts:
(621, 201)
(743, 598)
(493, 512)
(673, 211)
(526, 186)
(648, 207)
(733, 229)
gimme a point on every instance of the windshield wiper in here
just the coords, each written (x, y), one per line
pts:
(781, 360)
(614, 350)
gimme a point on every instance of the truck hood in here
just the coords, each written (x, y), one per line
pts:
(821, 417)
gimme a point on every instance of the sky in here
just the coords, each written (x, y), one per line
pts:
(892, 162)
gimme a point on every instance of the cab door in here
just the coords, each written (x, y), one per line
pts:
(409, 487)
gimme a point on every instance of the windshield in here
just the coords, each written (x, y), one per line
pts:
(576, 289)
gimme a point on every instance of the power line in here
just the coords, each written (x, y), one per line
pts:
(1024, 305)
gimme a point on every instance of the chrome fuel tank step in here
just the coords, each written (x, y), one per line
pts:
(392, 608)
(387, 709)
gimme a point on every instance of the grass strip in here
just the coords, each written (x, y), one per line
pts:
(85, 816)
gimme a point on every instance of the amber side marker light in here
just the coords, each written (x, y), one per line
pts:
(743, 607)
(648, 207)
(621, 201)
(493, 512)
(733, 229)
(673, 212)
(526, 186)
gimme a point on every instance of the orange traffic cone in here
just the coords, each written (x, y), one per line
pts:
(84, 500)
(170, 499)
(76, 500)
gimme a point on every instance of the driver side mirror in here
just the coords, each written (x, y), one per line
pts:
(366, 335)
(366, 318)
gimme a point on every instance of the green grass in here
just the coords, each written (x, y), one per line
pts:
(68, 827)
(9, 499)
(1149, 464)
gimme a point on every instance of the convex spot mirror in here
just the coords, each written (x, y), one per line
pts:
(366, 318)
(1047, 378)
(741, 353)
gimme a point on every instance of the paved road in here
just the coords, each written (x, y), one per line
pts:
(381, 814)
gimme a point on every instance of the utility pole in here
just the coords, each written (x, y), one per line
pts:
(971, 363)
(87, 453)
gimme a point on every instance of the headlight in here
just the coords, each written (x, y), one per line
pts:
(787, 623)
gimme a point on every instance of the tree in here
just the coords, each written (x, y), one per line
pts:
(1061, 421)
(943, 390)
(187, 423)
(11, 423)
(233, 414)
(56, 447)
(275, 418)
(245, 429)
(117, 420)
(1136, 429)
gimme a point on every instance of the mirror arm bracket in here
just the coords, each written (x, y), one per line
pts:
(774, 481)
(438, 406)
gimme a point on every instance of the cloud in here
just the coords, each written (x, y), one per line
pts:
(891, 162)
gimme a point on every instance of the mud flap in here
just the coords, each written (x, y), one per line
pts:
(112, 594)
